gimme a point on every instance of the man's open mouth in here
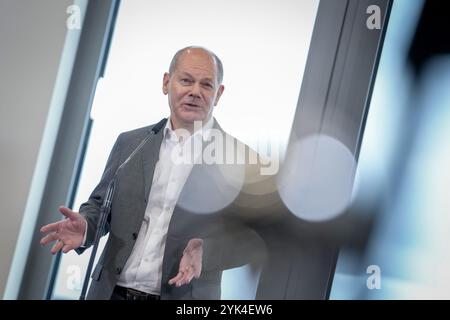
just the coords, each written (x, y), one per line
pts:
(191, 105)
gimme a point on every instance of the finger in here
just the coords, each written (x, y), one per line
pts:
(49, 238)
(57, 247)
(189, 278)
(67, 248)
(198, 271)
(179, 277)
(50, 227)
(187, 275)
(176, 278)
(182, 279)
(68, 213)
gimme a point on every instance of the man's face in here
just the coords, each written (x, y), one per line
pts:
(192, 89)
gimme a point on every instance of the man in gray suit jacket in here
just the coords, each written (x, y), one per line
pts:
(174, 224)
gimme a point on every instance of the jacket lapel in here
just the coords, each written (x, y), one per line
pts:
(150, 156)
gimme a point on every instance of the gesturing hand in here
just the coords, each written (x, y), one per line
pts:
(69, 233)
(190, 264)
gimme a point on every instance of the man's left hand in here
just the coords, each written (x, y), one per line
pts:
(190, 264)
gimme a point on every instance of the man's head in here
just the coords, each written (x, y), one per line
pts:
(193, 85)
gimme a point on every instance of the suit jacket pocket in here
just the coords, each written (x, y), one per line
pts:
(206, 290)
(97, 272)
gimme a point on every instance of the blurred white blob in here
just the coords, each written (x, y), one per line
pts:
(211, 188)
(316, 180)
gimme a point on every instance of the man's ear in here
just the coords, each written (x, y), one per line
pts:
(219, 94)
(166, 80)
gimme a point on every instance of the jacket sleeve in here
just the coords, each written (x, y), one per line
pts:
(90, 210)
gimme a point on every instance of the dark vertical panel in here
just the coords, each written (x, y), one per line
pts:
(334, 100)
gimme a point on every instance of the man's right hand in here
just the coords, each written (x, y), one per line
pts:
(68, 233)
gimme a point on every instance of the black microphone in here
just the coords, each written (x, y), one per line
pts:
(107, 203)
(155, 129)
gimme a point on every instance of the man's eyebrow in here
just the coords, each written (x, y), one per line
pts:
(184, 73)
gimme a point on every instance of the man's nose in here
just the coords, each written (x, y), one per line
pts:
(195, 90)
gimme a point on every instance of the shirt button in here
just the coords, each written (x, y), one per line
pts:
(135, 235)
(119, 270)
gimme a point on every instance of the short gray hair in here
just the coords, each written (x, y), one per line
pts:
(219, 65)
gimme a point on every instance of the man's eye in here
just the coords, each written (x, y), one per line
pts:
(185, 81)
(208, 85)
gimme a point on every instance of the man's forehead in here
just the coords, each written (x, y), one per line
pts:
(196, 64)
(197, 58)
(197, 52)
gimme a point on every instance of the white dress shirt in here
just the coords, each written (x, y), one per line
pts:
(143, 269)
